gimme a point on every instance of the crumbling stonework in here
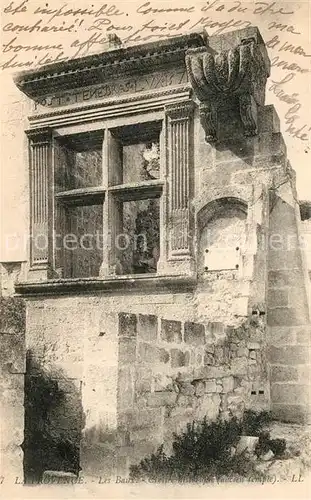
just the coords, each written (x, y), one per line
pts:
(12, 370)
(173, 372)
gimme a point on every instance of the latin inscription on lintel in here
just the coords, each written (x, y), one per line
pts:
(112, 88)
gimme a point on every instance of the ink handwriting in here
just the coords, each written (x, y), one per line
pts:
(85, 29)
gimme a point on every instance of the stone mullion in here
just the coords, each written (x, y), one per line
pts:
(40, 143)
(179, 124)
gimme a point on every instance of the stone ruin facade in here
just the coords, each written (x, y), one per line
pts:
(107, 350)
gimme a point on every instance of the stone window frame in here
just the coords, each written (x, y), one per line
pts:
(108, 193)
(175, 265)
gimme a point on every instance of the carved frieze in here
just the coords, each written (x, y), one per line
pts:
(240, 72)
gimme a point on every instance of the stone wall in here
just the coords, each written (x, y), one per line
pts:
(173, 372)
(12, 369)
(289, 329)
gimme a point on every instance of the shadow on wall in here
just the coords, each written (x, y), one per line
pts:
(53, 421)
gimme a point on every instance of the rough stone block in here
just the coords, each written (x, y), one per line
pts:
(216, 327)
(125, 388)
(199, 386)
(163, 382)
(278, 278)
(209, 359)
(277, 297)
(179, 358)
(228, 384)
(282, 259)
(185, 401)
(292, 413)
(208, 372)
(12, 315)
(147, 327)
(283, 374)
(282, 335)
(285, 316)
(127, 350)
(152, 354)
(187, 388)
(292, 394)
(171, 330)
(241, 352)
(194, 333)
(285, 277)
(239, 366)
(143, 381)
(209, 406)
(210, 386)
(290, 355)
(161, 398)
(127, 325)
(303, 336)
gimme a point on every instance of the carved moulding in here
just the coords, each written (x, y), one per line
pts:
(239, 73)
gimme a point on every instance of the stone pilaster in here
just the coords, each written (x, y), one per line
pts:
(179, 137)
(40, 159)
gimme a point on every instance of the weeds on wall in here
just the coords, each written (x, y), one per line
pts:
(205, 452)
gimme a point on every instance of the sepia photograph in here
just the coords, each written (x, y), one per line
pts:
(155, 258)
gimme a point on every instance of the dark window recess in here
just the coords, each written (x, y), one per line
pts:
(81, 241)
(141, 162)
(78, 161)
(138, 244)
(136, 156)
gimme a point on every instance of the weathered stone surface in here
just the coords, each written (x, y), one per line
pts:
(194, 333)
(303, 336)
(288, 355)
(210, 386)
(241, 352)
(152, 354)
(277, 298)
(283, 373)
(293, 413)
(208, 372)
(127, 350)
(199, 386)
(228, 384)
(127, 325)
(179, 358)
(209, 359)
(161, 398)
(208, 406)
(171, 331)
(147, 327)
(292, 394)
(285, 316)
(125, 388)
(239, 366)
(12, 315)
(282, 335)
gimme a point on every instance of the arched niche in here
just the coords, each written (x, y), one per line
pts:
(221, 230)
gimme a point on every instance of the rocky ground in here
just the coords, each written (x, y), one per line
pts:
(296, 463)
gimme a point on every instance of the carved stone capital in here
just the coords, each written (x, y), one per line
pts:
(180, 110)
(240, 72)
(38, 136)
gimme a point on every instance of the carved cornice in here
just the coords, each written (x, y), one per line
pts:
(124, 284)
(239, 72)
(112, 108)
(96, 68)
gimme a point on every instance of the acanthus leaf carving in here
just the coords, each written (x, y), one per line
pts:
(240, 72)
